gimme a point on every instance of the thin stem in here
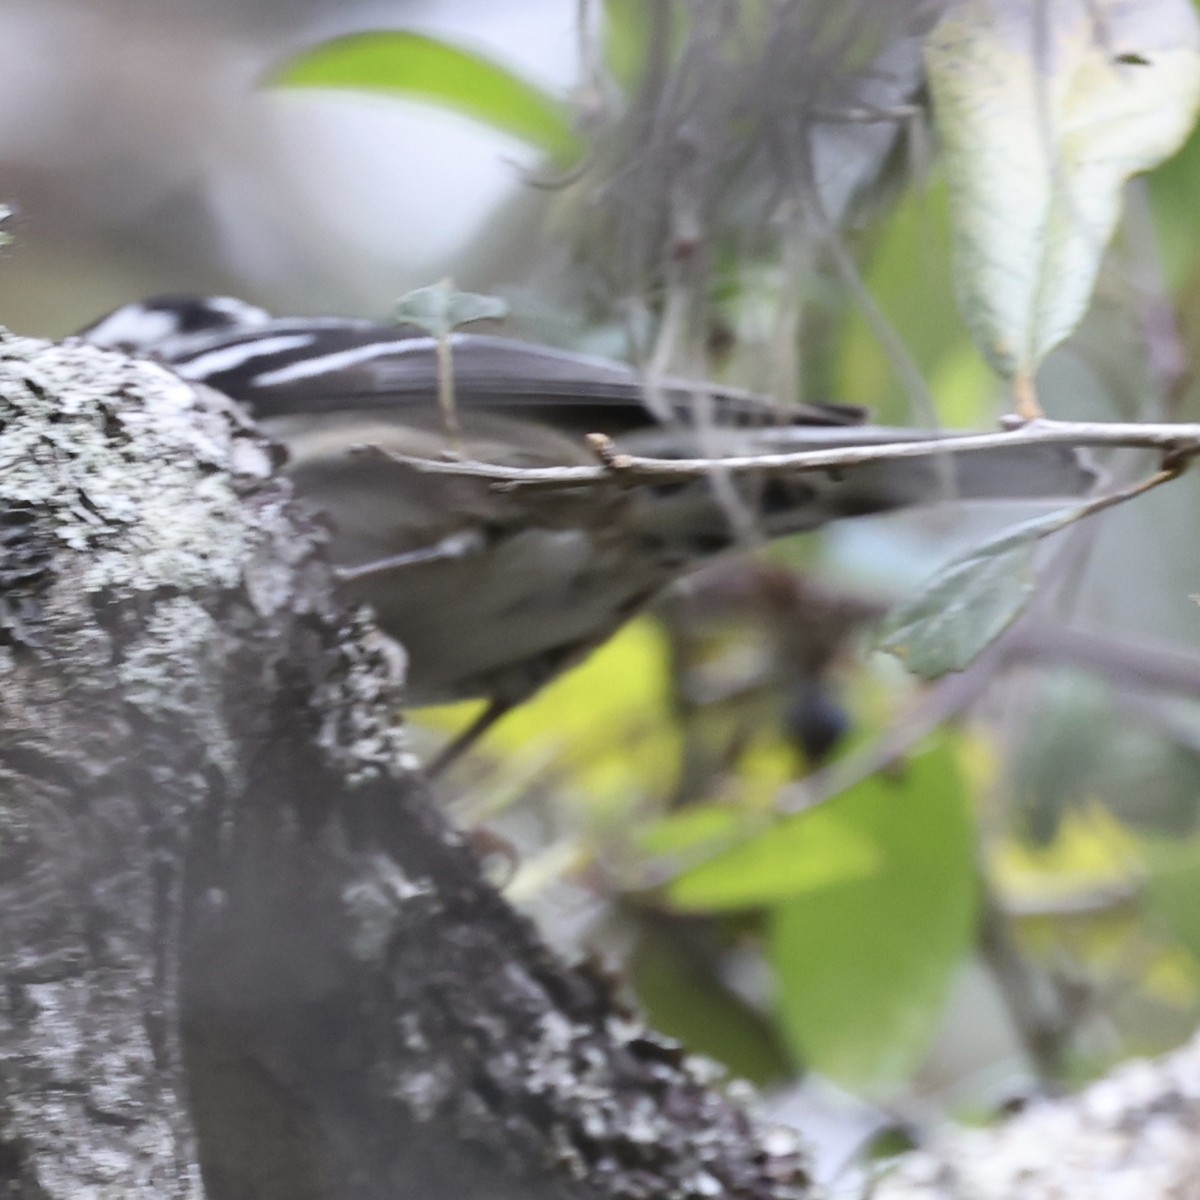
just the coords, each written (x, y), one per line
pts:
(1127, 664)
(1038, 1020)
(1120, 495)
(1177, 441)
(445, 382)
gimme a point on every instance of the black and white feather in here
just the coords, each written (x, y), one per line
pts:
(493, 593)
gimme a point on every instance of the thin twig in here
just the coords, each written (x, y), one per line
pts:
(1171, 471)
(1126, 663)
(445, 382)
(866, 116)
(1039, 1019)
(1177, 441)
(1096, 901)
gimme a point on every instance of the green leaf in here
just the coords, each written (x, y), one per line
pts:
(1043, 112)
(966, 607)
(1174, 187)
(675, 986)
(439, 309)
(864, 966)
(806, 852)
(695, 828)
(970, 601)
(1173, 886)
(415, 66)
(605, 724)
(633, 31)
(625, 35)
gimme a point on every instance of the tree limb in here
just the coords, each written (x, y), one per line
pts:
(1177, 442)
(242, 952)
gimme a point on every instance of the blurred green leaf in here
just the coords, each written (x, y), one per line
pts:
(966, 606)
(864, 966)
(805, 852)
(1070, 742)
(605, 724)
(975, 597)
(439, 309)
(1080, 745)
(910, 255)
(697, 827)
(970, 601)
(415, 66)
(626, 35)
(633, 30)
(675, 985)
(1174, 187)
(1173, 886)
(1043, 113)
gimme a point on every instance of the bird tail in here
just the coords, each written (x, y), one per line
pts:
(787, 502)
(1018, 472)
(1021, 471)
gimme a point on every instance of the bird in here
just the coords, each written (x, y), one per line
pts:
(493, 592)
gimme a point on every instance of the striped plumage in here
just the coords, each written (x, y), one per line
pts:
(493, 592)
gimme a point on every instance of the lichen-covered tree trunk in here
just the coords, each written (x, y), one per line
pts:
(241, 953)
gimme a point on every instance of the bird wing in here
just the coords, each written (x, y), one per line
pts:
(292, 367)
(351, 375)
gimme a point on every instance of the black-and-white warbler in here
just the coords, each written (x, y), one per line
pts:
(493, 592)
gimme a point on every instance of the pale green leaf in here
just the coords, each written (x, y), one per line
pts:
(412, 65)
(805, 852)
(970, 601)
(439, 309)
(1044, 111)
(864, 966)
(967, 606)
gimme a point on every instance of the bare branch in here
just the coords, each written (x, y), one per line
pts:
(1129, 664)
(1178, 442)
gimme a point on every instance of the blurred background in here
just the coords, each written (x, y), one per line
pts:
(142, 153)
(997, 888)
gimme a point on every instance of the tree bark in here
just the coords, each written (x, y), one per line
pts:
(242, 953)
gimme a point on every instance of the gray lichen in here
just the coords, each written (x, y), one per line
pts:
(358, 705)
(164, 491)
(136, 467)
(375, 904)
